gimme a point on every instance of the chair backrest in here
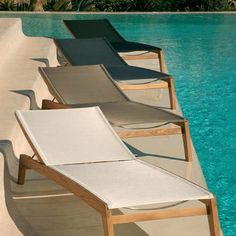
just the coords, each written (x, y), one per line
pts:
(101, 28)
(89, 52)
(71, 136)
(81, 84)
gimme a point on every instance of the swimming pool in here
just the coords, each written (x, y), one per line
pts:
(200, 52)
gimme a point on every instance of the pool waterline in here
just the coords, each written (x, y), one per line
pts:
(201, 55)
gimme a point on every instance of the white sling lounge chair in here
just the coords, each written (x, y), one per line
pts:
(79, 150)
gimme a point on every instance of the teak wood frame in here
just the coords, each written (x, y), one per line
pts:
(109, 220)
(183, 129)
(149, 55)
(167, 83)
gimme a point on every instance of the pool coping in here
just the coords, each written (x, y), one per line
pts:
(121, 13)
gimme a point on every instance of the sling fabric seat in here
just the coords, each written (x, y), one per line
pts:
(99, 51)
(102, 28)
(83, 86)
(78, 149)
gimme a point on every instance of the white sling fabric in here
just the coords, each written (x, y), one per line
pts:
(72, 136)
(80, 144)
(132, 183)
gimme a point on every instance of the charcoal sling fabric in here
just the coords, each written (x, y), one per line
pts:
(103, 28)
(99, 51)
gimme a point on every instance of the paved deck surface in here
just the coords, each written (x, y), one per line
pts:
(41, 207)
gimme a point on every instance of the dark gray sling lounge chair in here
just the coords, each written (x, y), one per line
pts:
(83, 86)
(102, 28)
(99, 51)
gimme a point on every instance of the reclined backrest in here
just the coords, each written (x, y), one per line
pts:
(70, 136)
(81, 84)
(93, 29)
(89, 52)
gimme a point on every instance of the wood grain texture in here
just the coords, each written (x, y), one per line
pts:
(160, 85)
(157, 215)
(148, 132)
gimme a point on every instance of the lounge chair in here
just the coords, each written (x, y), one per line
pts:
(102, 28)
(78, 149)
(99, 51)
(77, 86)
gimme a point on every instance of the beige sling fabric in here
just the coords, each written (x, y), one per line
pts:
(92, 85)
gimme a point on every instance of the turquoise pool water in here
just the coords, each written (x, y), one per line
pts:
(200, 52)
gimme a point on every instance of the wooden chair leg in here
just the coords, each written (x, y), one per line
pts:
(172, 96)
(22, 170)
(107, 223)
(161, 61)
(186, 140)
(213, 218)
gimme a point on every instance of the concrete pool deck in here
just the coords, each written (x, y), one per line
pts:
(41, 207)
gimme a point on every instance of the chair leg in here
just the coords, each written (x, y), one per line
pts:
(107, 223)
(213, 219)
(161, 61)
(22, 170)
(172, 96)
(186, 140)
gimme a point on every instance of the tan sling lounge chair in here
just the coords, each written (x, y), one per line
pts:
(83, 86)
(78, 149)
(78, 52)
(102, 28)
